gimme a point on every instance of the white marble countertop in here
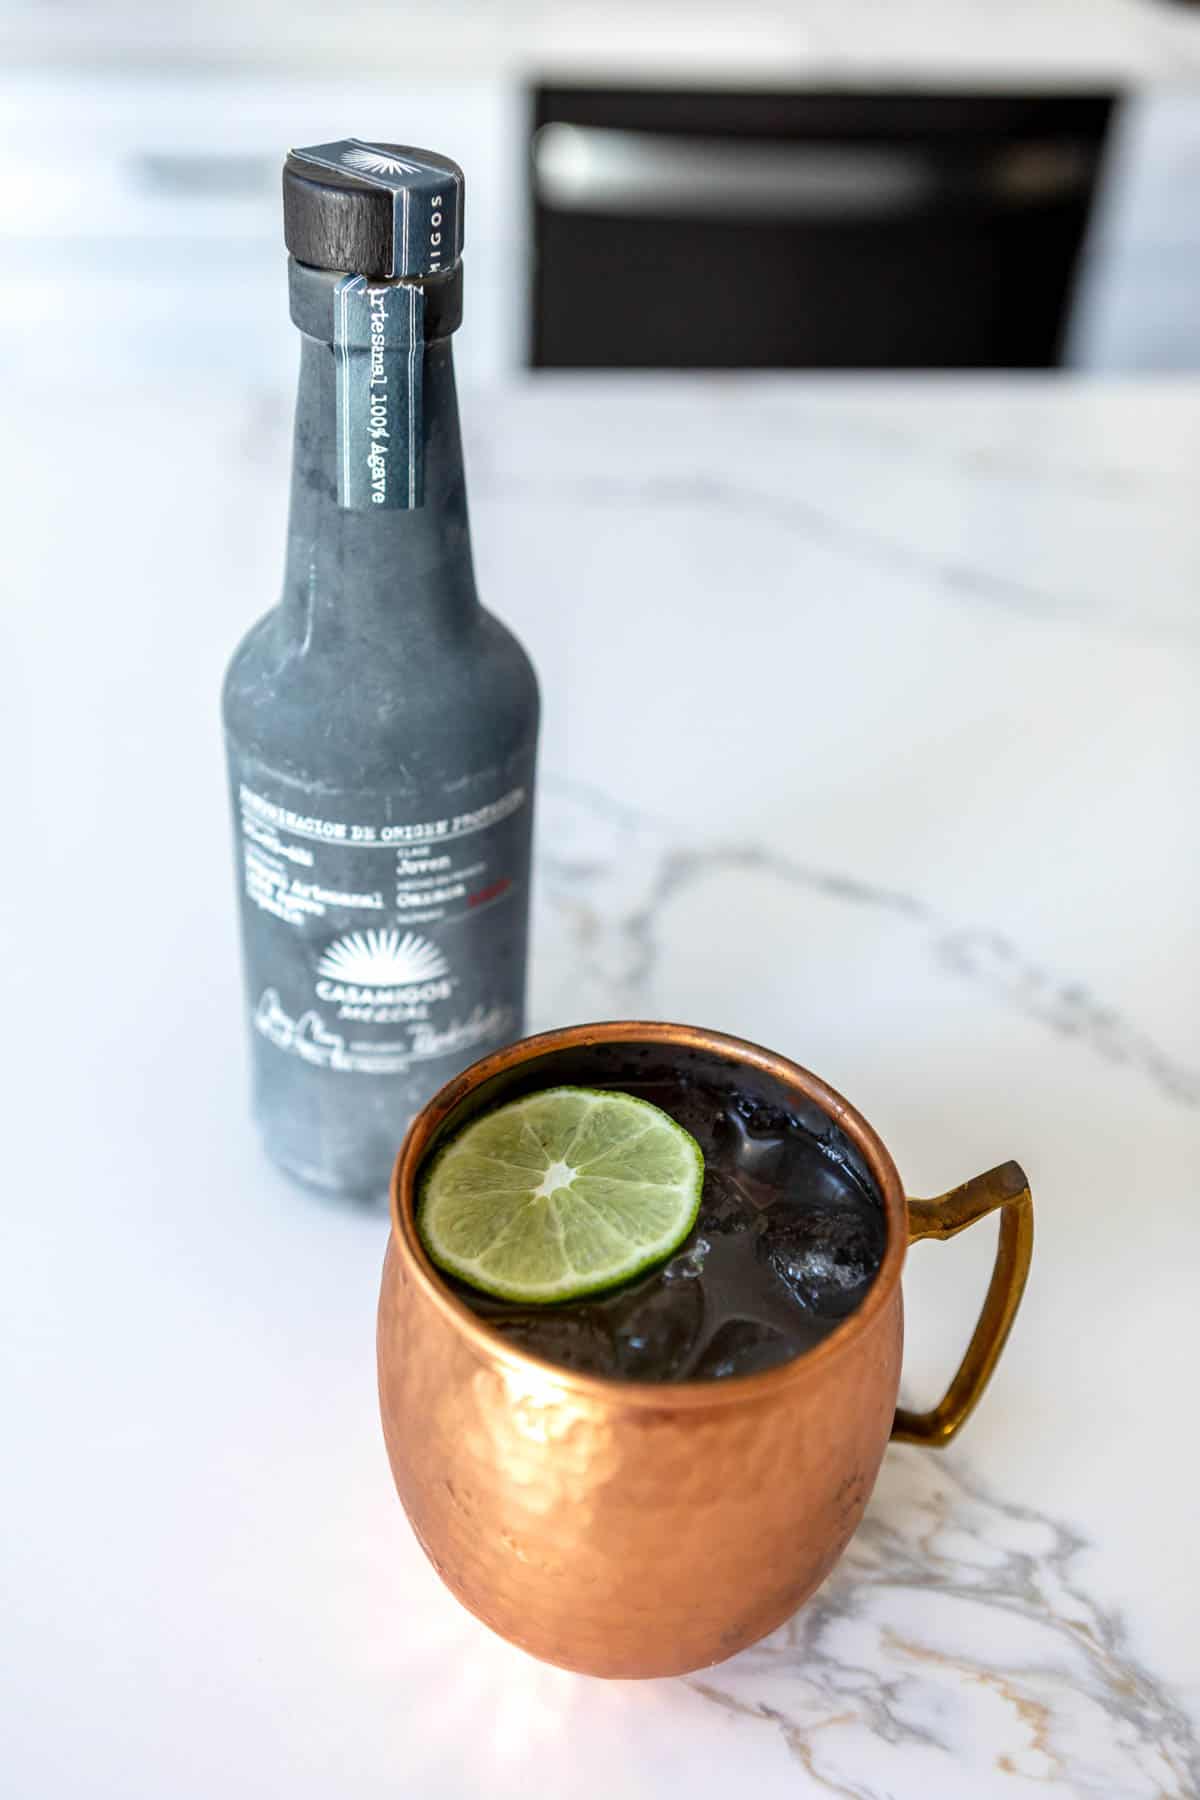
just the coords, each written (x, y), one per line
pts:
(870, 733)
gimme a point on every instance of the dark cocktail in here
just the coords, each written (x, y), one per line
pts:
(788, 1237)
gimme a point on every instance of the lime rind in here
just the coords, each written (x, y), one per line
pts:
(496, 1207)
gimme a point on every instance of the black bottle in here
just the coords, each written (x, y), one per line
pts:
(381, 726)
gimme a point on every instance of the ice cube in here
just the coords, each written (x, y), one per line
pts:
(756, 1140)
(826, 1255)
(743, 1347)
(575, 1339)
(726, 1206)
(658, 1331)
(689, 1264)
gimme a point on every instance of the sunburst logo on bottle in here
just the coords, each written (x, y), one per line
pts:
(374, 162)
(383, 958)
(398, 972)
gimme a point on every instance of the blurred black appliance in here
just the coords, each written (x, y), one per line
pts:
(813, 230)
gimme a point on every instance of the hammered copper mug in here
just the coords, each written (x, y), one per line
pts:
(635, 1528)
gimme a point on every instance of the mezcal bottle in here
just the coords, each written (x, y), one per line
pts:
(381, 726)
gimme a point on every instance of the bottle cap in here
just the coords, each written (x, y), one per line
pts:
(385, 210)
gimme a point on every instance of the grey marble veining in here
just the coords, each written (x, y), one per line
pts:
(607, 897)
(958, 1637)
(803, 493)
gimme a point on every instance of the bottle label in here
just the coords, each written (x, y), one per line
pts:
(378, 344)
(378, 941)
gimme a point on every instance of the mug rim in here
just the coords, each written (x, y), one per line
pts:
(494, 1349)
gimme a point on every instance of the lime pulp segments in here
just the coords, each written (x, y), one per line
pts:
(559, 1194)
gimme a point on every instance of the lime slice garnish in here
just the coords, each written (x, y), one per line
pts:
(560, 1194)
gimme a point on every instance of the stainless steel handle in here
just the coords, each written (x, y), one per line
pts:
(592, 168)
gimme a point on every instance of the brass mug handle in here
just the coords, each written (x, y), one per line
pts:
(1007, 1188)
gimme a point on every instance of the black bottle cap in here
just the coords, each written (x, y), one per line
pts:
(385, 210)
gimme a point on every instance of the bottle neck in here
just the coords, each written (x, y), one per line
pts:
(389, 574)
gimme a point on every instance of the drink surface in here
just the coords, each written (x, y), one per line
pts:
(788, 1240)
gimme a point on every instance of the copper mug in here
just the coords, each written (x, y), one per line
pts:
(634, 1528)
